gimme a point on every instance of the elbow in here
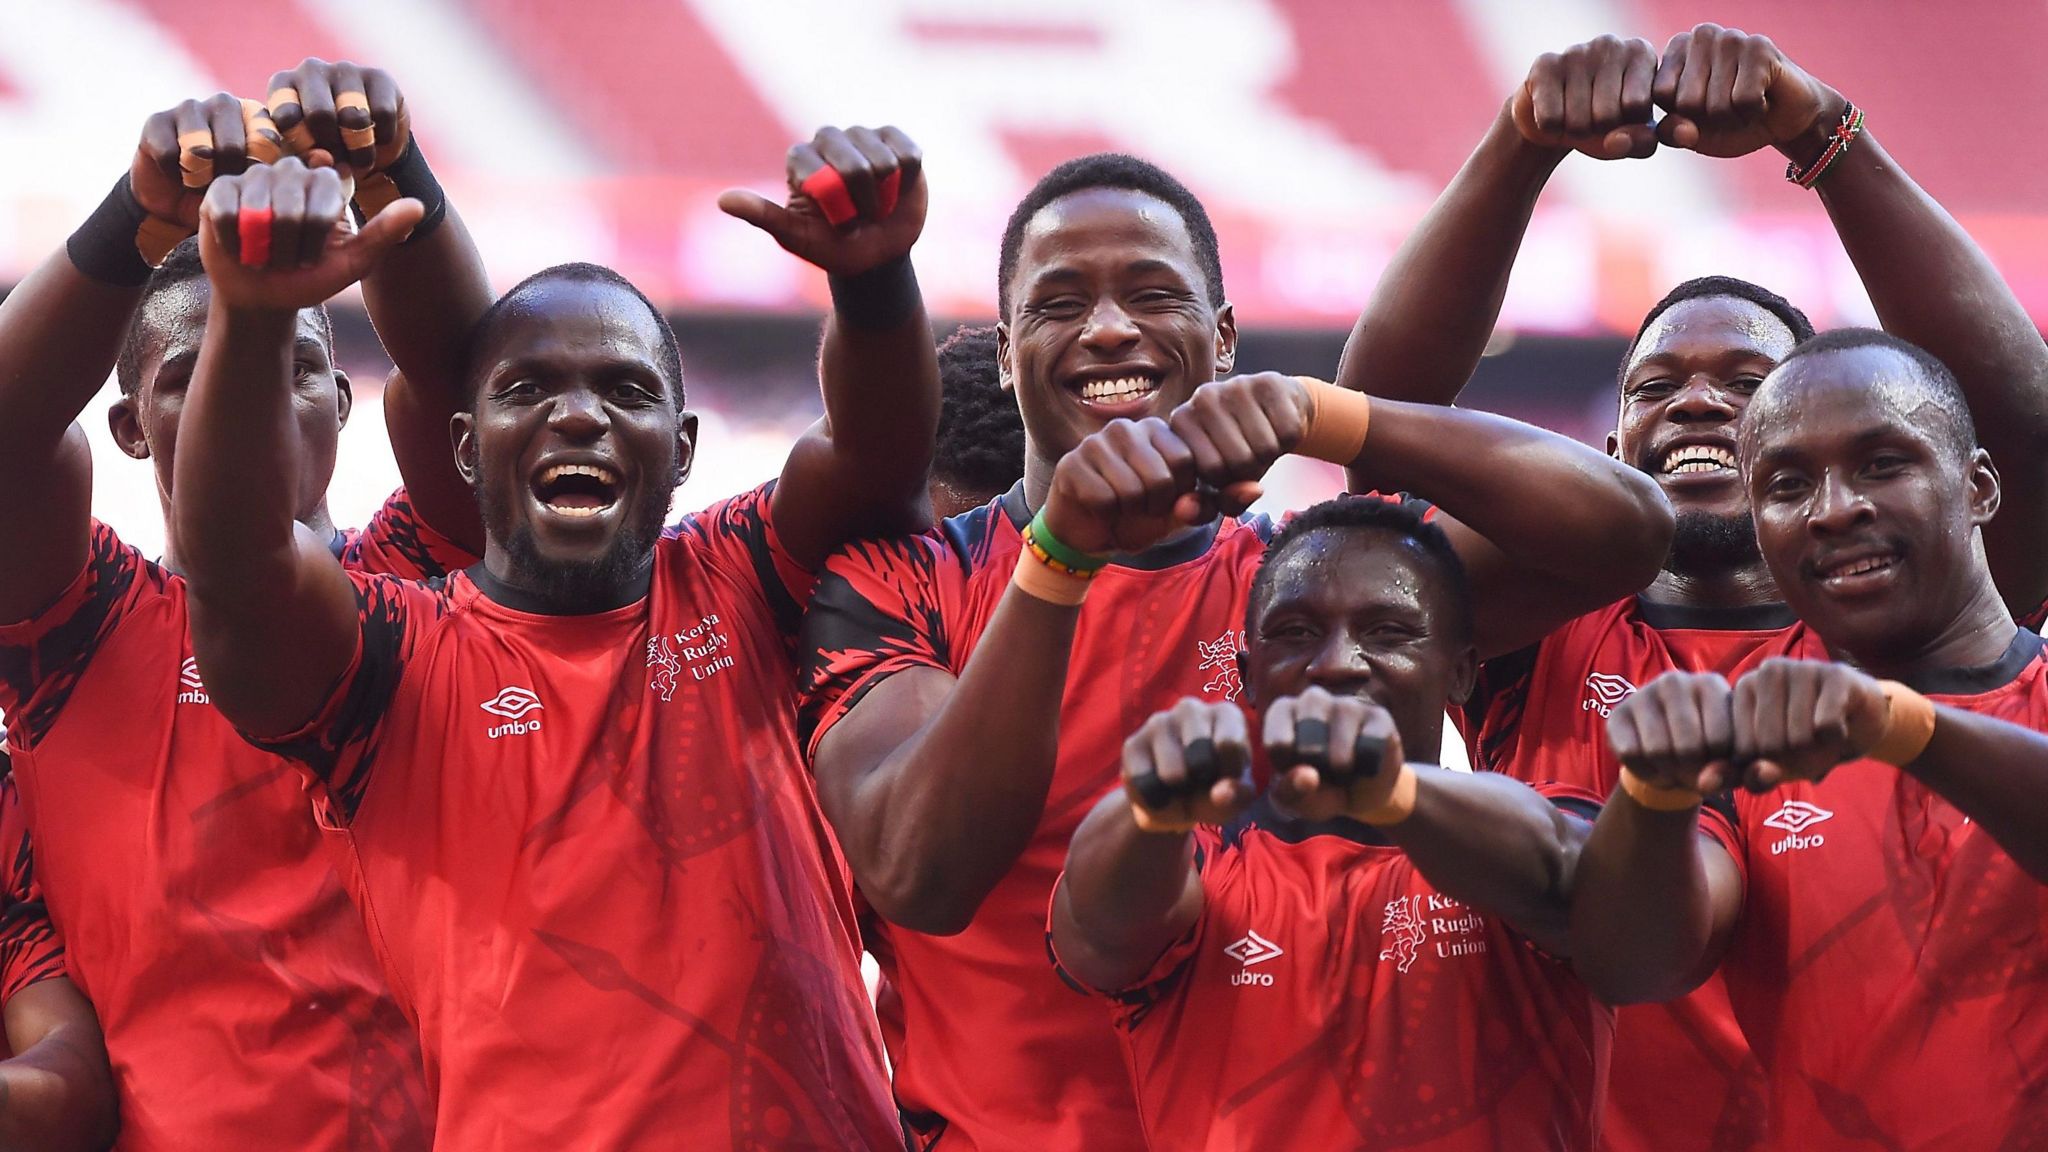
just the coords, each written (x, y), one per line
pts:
(1635, 532)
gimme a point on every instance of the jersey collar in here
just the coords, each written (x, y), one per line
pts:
(1700, 618)
(2025, 646)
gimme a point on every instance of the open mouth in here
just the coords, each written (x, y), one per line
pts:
(1856, 572)
(1132, 388)
(577, 490)
(1699, 460)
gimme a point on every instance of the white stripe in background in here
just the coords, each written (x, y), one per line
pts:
(1510, 35)
(470, 100)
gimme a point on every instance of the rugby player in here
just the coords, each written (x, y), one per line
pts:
(980, 450)
(1539, 713)
(178, 862)
(1878, 908)
(57, 1089)
(1345, 960)
(567, 777)
(960, 728)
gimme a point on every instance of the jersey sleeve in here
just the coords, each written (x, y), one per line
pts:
(30, 950)
(42, 657)
(738, 536)
(881, 606)
(1130, 1004)
(336, 749)
(1488, 718)
(396, 542)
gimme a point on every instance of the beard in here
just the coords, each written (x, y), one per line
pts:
(1705, 540)
(572, 583)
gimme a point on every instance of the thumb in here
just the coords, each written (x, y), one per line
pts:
(1630, 142)
(1678, 132)
(757, 210)
(385, 230)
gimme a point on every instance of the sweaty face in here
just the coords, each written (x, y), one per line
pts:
(1362, 612)
(1682, 391)
(146, 424)
(575, 444)
(1866, 511)
(1109, 317)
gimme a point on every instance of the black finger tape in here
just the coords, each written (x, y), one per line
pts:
(1203, 768)
(1151, 790)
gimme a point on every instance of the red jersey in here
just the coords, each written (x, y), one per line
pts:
(1541, 714)
(30, 950)
(1889, 967)
(202, 910)
(990, 1048)
(1329, 993)
(594, 862)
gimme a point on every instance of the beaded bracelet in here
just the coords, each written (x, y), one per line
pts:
(1050, 551)
(1839, 140)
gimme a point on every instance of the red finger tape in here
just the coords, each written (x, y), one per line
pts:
(253, 228)
(890, 186)
(827, 188)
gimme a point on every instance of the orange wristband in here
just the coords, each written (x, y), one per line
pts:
(1656, 797)
(1035, 578)
(1337, 422)
(1398, 806)
(1908, 725)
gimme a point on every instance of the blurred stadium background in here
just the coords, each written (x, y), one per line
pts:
(1316, 130)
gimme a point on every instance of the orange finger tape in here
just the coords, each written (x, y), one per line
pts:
(197, 170)
(264, 144)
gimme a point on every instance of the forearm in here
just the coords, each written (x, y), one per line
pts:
(1997, 774)
(879, 372)
(236, 474)
(944, 816)
(58, 1096)
(60, 332)
(1642, 918)
(1435, 305)
(1127, 896)
(1495, 844)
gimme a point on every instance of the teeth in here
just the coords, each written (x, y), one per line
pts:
(1696, 458)
(1859, 567)
(561, 510)
(560, 470)
(1123, 388)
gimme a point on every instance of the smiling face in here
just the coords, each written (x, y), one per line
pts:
(1683, 390)
(1363, 612)
(1867, 508)
(145, 424)
(576, 443)
(1109, 317)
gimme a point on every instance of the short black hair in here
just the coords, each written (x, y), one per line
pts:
(183, 266)
(670, 355)
(1111, 170)
(1940, 382)
(1403, 519)
(1788, 314)
(981, 432)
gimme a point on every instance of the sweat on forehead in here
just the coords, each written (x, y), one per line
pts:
(1868, 374)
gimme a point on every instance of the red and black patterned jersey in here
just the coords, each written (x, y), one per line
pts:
(202, 911)
(30, 950)
(1330, 997)
(1541, 714)
(596, 867)
(1889, 967)
(990, 1049)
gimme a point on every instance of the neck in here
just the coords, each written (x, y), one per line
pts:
(1038, 472)
(1738, 586)
(319, 522)
(497, 578)
(1977, 634)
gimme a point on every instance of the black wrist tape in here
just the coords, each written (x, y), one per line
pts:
(104, 247)
(407, 176)
(880, 298)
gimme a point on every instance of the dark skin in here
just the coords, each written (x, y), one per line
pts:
(1723, 93)
(1360, 634)
(1871, 517)
(58, 1094)
(572, 377)
(1108, 287)
(60, 332)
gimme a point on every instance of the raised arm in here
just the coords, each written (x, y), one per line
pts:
(1930, 283)
(857, 201)
(61, 330)
(56, 1093)
(1434, 309)
(425, 296)
(259, 585)
(1523, 506)
(936, 784)
(1653, 900)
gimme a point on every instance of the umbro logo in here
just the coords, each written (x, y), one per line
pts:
(1604, 691)
(191, 690)
(513, 704)
(1796, 817)
(1253, 949)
